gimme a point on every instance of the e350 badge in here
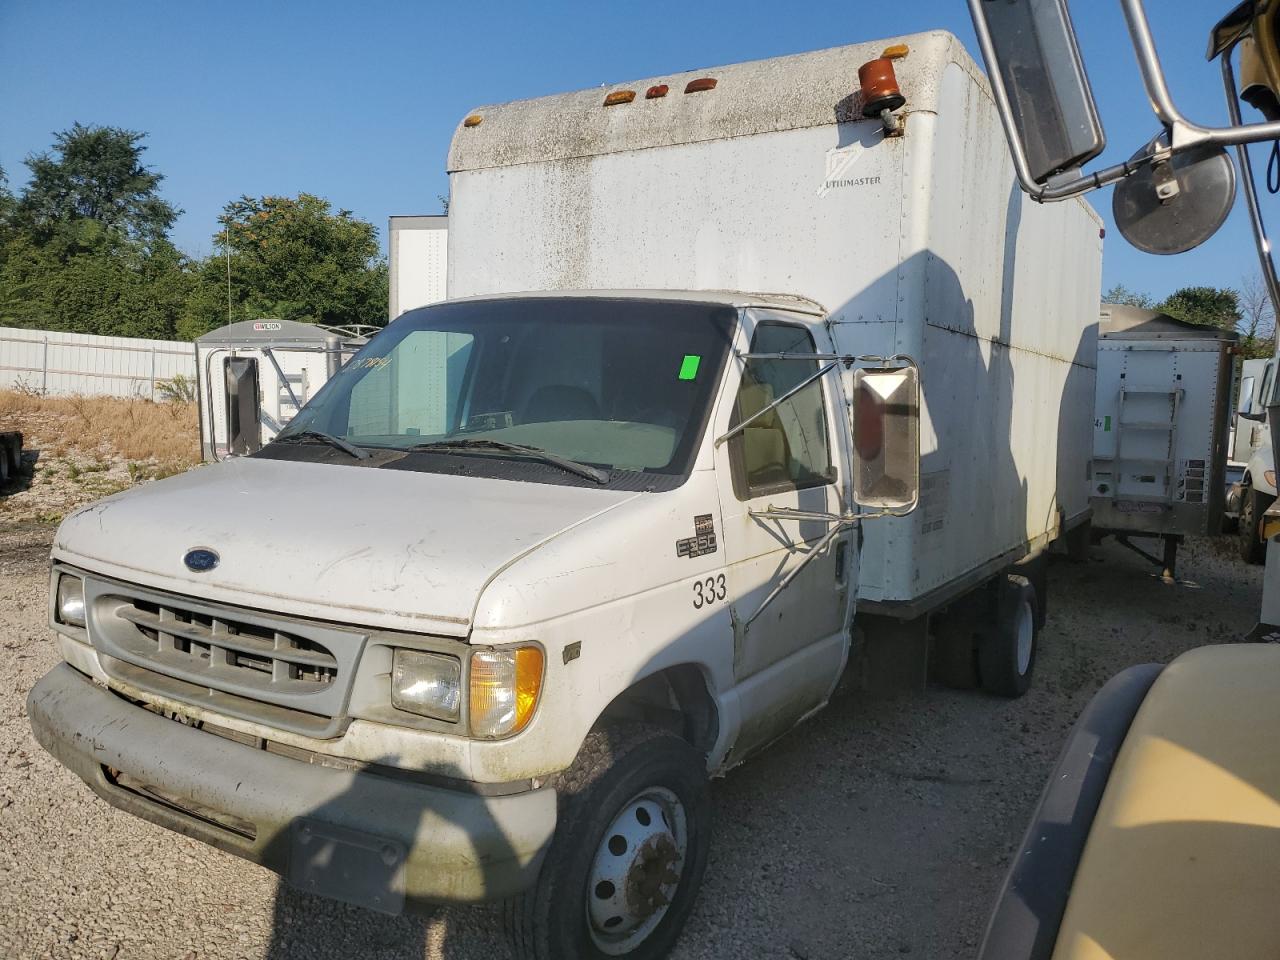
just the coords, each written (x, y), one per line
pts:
(703, 540)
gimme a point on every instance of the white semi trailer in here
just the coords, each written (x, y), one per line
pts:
(618, 505)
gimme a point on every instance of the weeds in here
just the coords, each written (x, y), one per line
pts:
(179, 390)
(105, 428)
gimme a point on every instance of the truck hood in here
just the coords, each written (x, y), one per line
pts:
(390, 549)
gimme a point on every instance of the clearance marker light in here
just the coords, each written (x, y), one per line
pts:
(896, 52)
(619, 96)
(656, 91)
(473, 121)
(702, 83)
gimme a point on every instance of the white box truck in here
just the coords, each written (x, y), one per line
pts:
(609, 511)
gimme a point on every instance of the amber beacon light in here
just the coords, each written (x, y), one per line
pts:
(879, 87)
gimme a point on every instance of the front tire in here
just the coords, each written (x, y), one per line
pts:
(1252, 507)
(628, 854)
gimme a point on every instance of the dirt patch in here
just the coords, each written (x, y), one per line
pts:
(80, 449)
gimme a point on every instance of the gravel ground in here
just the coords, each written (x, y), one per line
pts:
(880, 829)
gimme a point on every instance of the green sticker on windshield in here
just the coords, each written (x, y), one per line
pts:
(689, 366)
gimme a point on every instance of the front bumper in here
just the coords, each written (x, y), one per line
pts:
(377, 841)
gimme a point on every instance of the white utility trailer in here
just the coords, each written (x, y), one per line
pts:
(1160, 429)
(254, 375)
(418, 258)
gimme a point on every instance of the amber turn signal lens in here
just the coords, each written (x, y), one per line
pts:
(619, 96)
(505, 686)
(473, 121)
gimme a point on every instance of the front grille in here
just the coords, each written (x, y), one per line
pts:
(254, 655)
(283, 672)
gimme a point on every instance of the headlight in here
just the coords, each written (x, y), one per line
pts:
(71, 600)
(429, 684)
(505, 685)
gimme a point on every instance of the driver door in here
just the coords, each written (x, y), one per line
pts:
(793, 457)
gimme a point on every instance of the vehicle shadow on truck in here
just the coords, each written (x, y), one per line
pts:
(306, 925)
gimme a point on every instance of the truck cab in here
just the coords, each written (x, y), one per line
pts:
(1253, 493)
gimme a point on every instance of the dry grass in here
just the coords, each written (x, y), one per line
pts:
(166, 435)
(80, 449)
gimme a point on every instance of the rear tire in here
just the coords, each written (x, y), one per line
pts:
(634, 804)
(1252, 506)
(1007, 648)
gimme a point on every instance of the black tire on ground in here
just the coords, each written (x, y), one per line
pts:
(4, 469)
(1007, 647)
(615, 765)
(1252, 506)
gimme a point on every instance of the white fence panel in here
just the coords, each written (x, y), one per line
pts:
(81, 363)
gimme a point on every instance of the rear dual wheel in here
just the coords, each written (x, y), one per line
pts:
(628, 854)
(1007, 647)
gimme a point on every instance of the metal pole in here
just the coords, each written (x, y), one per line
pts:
(153, 374)
(1251, 192)
(45, 364)
(227, 247)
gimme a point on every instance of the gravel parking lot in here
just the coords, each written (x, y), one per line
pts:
(880, 829)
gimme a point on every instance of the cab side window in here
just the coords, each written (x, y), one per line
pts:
(788, 447)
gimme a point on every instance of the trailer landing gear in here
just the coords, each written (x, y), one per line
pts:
(1168, 563)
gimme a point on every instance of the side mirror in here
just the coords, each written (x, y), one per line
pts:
(244, 406)
(886, 438)
(1040, 83)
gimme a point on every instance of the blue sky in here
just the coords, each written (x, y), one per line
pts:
(356, 102)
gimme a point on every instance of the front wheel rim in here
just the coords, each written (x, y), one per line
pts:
(1026, 636)
(637, 868)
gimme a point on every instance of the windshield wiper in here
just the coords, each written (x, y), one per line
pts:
(344, 445)
(477, 444)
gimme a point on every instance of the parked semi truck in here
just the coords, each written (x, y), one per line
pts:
(481, 621)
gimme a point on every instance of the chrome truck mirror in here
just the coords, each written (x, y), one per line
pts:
(886, 438)
(1174, 205)
(244, 405)
(1040, 83)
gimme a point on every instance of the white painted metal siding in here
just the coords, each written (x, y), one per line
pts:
(419, 262)
(80, 363)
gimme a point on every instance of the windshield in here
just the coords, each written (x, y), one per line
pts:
(620, 384)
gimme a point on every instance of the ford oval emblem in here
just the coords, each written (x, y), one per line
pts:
(201, 559)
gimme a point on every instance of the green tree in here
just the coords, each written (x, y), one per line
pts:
(1123, 295)
(1207, 306)
(292, 258)
(84, 247)
(96, 173)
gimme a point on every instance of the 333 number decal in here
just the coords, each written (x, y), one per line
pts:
(708, 591)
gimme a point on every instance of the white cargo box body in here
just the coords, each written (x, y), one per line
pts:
(418, 255)
(1160, 426)
(920, 245)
